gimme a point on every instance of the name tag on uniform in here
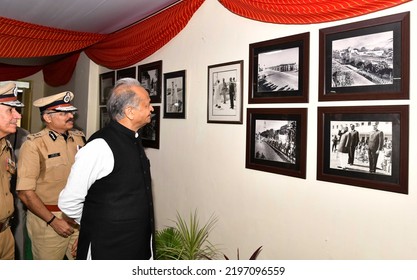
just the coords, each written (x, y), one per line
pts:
(54, 155)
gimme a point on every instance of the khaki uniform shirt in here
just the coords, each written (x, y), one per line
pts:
(7, 168)
(45, 162)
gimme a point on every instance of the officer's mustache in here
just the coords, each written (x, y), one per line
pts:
(70, 120)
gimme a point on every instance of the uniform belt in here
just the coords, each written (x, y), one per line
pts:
(4, 225)
(53, 208)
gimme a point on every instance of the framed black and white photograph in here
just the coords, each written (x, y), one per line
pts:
(276, 140)
(174, 95)
(225, 93)
(107, 81)
(150, 132)
(150, 77)
(126, 73)
(365, 146)
(278, 70)
(365, 60)
(104, 117)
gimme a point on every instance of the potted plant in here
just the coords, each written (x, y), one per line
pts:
(186, 240)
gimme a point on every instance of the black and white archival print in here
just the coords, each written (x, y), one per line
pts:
(276, 140)
(174, 101)
(363, 60)
(224, 97)
(362, 146)
(149, 80)
(150, 77)
(278, 70)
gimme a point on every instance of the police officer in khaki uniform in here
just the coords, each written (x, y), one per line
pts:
(9, 119)
(45, 162)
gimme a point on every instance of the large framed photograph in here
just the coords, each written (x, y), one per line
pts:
(276, 140)
(126, 73)
(107, 81)
(364, 146)
(365, 60)
(150, 77)
(104, 117)
(174, 95)
(150, 132)
(225, 93)
(278, 70)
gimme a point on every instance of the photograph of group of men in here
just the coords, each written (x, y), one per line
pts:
(361, 146)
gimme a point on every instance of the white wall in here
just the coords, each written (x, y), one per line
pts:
(202, 166)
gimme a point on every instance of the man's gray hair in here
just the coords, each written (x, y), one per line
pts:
(122, 96)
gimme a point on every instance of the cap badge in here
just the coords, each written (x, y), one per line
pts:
(67, 97)
(15, 91)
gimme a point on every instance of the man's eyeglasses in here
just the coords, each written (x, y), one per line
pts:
(62, 114)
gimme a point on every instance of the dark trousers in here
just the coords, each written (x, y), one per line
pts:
(351, 155)
(373, 159)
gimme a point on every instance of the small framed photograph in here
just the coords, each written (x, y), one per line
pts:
(364, 146)
(126, 73)
(104, 117)
(225, 93)
(150, 132)
(276, 140)
(107, 81)
(365, 60)
(278, 70)
(150, 76)
(174, 95)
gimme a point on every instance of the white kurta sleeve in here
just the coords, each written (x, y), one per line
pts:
(92, 162)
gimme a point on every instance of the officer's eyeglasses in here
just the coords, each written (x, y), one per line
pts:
(63, 114)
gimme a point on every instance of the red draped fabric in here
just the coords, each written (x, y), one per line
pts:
(20, 39)
(131, 45)
(305, 11)
(60, 72)
(13, 72)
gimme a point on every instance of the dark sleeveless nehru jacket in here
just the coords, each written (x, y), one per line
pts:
(118, 211)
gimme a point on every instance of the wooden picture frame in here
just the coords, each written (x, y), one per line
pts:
(150, 77)
(174, 95)
(150, 132)
(279, 70)
(126, 73)
(107, 81)
(276, 140)
(386, 169)
(225, 93)
(104, 117)
(365, 60)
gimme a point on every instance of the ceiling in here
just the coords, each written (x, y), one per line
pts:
(96, 16)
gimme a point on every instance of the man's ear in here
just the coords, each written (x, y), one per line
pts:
(47, 118)
(129, 112)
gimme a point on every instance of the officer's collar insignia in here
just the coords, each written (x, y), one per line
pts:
(52, 135)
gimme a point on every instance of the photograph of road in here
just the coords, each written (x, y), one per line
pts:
(278, 70)
(275, 140)
(363, 60)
